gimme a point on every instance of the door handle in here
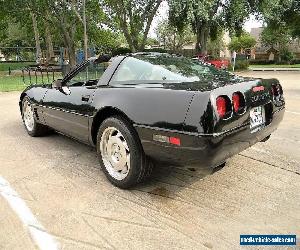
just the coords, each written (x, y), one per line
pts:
(85, 98)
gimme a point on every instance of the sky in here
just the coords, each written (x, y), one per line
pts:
(163, 14)
(252, 23)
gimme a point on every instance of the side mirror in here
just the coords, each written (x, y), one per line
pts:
(65, 90)
(60, 87)
(57, 84)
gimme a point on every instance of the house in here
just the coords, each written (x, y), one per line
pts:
(261, 52)
(189, 49)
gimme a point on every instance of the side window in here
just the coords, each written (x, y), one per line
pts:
(89, 75)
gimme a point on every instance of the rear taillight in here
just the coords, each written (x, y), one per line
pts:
(236, 102)
(223, 106)
(276, 90)
(279, 89)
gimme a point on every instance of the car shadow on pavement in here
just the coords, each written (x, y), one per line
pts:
(72, 157)
(166, 180)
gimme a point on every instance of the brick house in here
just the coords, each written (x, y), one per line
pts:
(261, 52)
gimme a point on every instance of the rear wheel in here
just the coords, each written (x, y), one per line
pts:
(121, 154)
(32, 127)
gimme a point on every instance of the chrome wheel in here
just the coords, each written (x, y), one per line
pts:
(28, 115)
(115, 153)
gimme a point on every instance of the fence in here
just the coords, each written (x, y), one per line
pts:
(20, 78)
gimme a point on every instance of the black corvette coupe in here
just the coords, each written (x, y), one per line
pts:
(146, 107)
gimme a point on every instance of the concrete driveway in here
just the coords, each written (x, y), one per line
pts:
(60, 183)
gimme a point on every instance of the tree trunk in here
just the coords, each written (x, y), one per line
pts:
(125, 31)
(202, 38)
(36, 37)
(135, 43)
(148, 24)
(49, 44)
(85, 32)
(72, 54)
(68, 37)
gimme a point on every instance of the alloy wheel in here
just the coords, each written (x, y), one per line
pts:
(115, 153)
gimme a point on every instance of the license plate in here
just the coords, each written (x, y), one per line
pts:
(257, 119)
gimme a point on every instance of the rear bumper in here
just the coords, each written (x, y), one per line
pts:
(204, 150)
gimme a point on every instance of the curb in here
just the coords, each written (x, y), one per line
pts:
(275, 69)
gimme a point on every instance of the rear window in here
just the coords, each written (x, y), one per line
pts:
(163, 68)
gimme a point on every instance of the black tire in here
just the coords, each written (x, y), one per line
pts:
(140, 165)
(37, 128)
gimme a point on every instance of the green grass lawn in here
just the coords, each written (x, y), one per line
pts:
(11, 83)
(16, 82)
(4, 66)
(276, 66)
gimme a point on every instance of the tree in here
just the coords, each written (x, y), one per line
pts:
(11, 10)
(133, 18)
(171, 38)
(36, 37)
(16, 29)
(63, 15)
(208, 17)
(282, 18)
(284, 13)
(13, 37)
(241, 43)
(59, 23)
(77, 6)
(214, 46)
(278, 37)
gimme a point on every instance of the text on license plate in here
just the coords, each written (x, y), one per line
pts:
(257, 118)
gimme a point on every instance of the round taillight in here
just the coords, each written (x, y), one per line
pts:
(275, 90)
(279, 89)
(236, 102)
(221, 106)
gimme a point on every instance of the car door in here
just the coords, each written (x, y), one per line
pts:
(68, 109)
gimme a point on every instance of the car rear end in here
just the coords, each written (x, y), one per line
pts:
(219, 123)
(238, 116)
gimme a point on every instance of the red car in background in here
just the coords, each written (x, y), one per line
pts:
(219, 63)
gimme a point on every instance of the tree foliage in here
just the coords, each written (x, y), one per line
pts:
(208, 17)
(133, 18)
(171, 38)
(241, 43)
(281, 13)
(48, 23)
(278, 37)
(215, 45)
(59, 23)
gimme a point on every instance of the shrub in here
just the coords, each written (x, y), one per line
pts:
(160, 50)
(240, 65)
(261, 62)
(121, 51)
(287, 56)
(296, 61)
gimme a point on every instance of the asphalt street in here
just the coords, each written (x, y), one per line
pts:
(69, 200)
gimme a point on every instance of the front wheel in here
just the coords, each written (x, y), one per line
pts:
(121, 154)
(32, 127)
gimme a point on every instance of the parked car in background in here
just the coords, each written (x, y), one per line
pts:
(219, 63)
